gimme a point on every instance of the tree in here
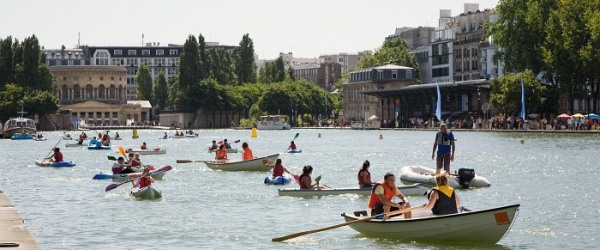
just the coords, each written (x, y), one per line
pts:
(273, 71)
(204, 70)
(220, 66)
(161, 94)
(189, 67)
(393, 51)
(244, 64)
(143, 78)
(506, 93)
(290, 74)
(6, 61)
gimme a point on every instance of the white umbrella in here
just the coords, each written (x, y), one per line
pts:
(373, 117)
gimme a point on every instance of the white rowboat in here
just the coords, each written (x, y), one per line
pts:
(156, 151)
(484, 226)
(229, 150)
(239, 165)
(412, 190)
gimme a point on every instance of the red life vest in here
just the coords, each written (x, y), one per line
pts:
(293, 147)
(360, 179)
(222, 154)
(144, 182)
(143, 147)
(135, 163)
(278, 170)
(58, 157)
(388, 193)
(309, 182)
(248, 154)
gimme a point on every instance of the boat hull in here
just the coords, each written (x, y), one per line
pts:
(146, 193)
(10, 132)
(156, 151)
(294, 151)
(279, 180)
(251, 165)
(55, 164)
(98, 146)
(229, 151)
(73, 145)
(157, 175)
(425, 175)
(410, 190)
(18, 136)
(484, 226)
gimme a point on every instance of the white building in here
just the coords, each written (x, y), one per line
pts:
(349, 62)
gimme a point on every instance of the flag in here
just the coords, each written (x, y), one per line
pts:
(522, 99)
(438, 110)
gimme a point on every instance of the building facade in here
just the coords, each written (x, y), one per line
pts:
(348, 62)
(97, 95)
(414, 37)
(360, 107)
(324, 74)
(470, 35)
(63, 56)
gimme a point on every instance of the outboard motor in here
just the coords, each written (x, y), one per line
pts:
(465, 175)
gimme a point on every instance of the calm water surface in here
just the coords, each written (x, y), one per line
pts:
(553, 177)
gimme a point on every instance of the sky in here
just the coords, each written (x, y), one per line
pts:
(308, 28)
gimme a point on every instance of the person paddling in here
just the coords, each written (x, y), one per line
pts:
(144, 147)
(292, 146)
(364, 176)
(227, 145)
(278, 169)
(305, 180)
(144, 180)
(118, 166)
(58, 156)
(214, 145)
(117, 136)
(442, 198)
(246, 152)
(381, 197)
(221, 154)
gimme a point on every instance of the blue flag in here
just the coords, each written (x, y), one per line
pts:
(522, 99)
(438, 110)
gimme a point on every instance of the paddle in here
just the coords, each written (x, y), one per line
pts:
(268, 163)
(295, 137)
(291, 236)
(51, 150)
(188, 161)
(115, 185)
(221, 142)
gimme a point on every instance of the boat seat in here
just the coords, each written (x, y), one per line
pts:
(361, 213)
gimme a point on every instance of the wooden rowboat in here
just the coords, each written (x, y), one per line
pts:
(239, 165)
(412, 190)
(484, 226)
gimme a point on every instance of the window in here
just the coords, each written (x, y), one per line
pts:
(102, 57)
(409, 74)
(131, 52)
(144, 61)
(102, 78)
(64, 78)
(160, 52)
(118, 52)
(131, 61)
(380, 74)
(173, 52)
(112, 78)
(145, 52)
(159, 61)
(394, 74)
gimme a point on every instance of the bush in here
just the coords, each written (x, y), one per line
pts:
(247, 123)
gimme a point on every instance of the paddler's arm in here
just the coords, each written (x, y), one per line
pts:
(385, 201)
(453, 148)
(401, 196)
(433, 152)
(433, 196)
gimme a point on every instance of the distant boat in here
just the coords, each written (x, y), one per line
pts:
(273, 122)
(19, 125)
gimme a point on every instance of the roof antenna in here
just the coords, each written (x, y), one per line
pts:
(142, 39)
(78, 40)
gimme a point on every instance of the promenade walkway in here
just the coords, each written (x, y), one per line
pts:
(13, 233)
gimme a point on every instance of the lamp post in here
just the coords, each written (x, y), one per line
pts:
(589, 96)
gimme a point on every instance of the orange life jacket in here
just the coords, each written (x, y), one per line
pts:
(388, 193)
(248, 154)
(144, 182)
(309, 182)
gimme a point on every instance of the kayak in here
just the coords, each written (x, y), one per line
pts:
(279, 180)
(118, 139)
(17, 136)
(67, 137)
(294, 151)
(146, 193)
(191, 136)
(54, 164)
(486, 226)
(229, 150)
(256, 164)
(178, 136)
(157, 175)
(40, 139)
(409, 190)
(465, 178)
(71, 145)
(156, 151)
(97, 145)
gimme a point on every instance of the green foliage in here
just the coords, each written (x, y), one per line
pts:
(6, 61)
(189, 67)
(221, 67)
(143, 78)
(290, 74)
(393, 51)
(273, 71)
(14, 96)
(244, 61)
(161, 93)
(506, 93)
(247, 123)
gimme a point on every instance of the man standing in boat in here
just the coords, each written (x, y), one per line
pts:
(444, 142)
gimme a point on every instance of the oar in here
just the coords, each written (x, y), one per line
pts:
(115, 185)
(189, 161)
(48, 155)
(291, 236)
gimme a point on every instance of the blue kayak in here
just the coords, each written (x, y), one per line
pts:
(17, 136)
(279, 180)
(54, 164)
(97, 145)
(294, 151)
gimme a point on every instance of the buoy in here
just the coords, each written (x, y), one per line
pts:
(522, 141)
(254, 133)
(380, 136)
(319, 135)
(135, 134)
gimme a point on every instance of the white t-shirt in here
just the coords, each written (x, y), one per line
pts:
(117, 165)
(379, 190)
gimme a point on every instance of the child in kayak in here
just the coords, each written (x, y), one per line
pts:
(144, 180)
